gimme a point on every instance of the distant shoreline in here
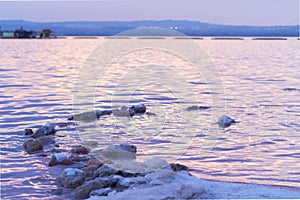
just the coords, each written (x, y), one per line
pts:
(165, 37)
(182, 27)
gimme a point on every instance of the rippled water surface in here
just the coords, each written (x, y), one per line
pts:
(262, 87)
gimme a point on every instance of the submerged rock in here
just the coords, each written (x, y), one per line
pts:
(191, 108)
(47, 129)
(46, 139)
(32, 145)
(225, 121)
(28, 131)
(57, 191)
(150, 114)
(123, 112)
(59, 159)
(140, 108)
(291, 89)
(204, 107)
(71, 177)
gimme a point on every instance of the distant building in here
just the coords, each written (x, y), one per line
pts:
(7, 34)
(46, 33)
(21, 33)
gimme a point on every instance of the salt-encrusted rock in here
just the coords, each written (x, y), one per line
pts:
(102, 113)
(32, 145)
(133, 181)
(101, 192)
(128, 147)
(47, 129)
(84, 190)
(71, 177)
(105, 171)
(131, 168)
(81, 150)
(90, 115)
(154, 164)
(85, 116)
(161, 176)
(28, 131)
(123, 112)
(96, 114)
(46, 139)
(225, 121)
(115, 152)
(174, 190)
(178, 167)
(59, 159)
(140, 108)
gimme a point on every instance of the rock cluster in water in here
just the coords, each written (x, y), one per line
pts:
(122, 112)
(224, 121)
(102, 180)
(117, 175)
(84, 176)
(40, 137)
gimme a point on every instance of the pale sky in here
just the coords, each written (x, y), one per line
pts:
(233, 12)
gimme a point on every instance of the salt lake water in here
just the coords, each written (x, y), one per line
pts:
(262, 92)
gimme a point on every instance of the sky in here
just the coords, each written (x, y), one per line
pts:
(229, 12)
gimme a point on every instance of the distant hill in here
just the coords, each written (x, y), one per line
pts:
(191, 28)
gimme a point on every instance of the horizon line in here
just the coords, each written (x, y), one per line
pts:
(25, 20)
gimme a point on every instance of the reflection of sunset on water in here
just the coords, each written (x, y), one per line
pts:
(37, 79)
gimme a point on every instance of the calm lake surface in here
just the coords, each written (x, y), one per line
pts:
(261, 83)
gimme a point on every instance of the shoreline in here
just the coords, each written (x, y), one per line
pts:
(114, 174)
(290, 188)
(216, 190)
